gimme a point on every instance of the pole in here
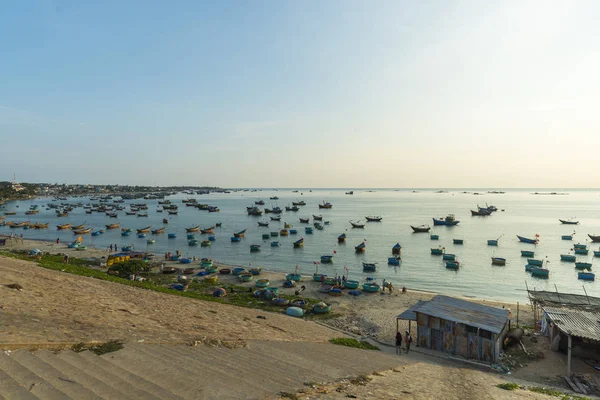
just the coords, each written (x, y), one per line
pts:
(569, 358)
(517, 314)
(586, 295)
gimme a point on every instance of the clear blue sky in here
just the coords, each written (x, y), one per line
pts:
(301, 93)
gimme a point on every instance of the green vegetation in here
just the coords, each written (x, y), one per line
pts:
(99, 349)
(508, 386)
(127, 268)
(241, 296)
(348, 342)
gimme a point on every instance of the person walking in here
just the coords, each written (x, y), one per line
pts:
(407, 340)
(398, 343)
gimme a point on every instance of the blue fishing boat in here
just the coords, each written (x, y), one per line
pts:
(193, 242)
(580, 246)
(527, 253)
(96, 233)
(125, 233)
(449, 220)
(274, 244)
(127, 248)
(492, 242)
(450, 257)
(185, 260)
(274, 234)
(371, 287)
(255, 247)
(583, 265)
(266, 236)
(326, 259)
(212, 238)
(540, 272)
(321, 308)
(437, 252)
(342, 237)
(299, 242)
(581, 251)
(457, 241)
(434, 237)
(235, 239)
(567, 257)
(190, 235)
(360, 248)
(567, 237)
(498, 261)
(452, 264)
(293, 232)
(596, 253)
(529, 267)
(308, 230)
(141, 235)
(527, 240)
(351, 284)
(396, 249)
(586, 276)
(393, 261)
(533, 261)
(369, 267)
(171, 235)
(293, 277)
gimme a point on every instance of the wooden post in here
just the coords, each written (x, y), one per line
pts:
(569, 358)
(397, 325)
(517, 314)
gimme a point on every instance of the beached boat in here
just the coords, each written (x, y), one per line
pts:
(357, 224)
(296, 277)
(568, 221)
(371, 287)
(321, 308)
(527, 240)
(527, 253)
(567, 257)
(82, 231)
(351, 284)
(594, 238)
(420, 228)
(361, 248)
(325, 205)
(394, 260)
(326, 259)
(342, 237)
(373, 219)
(540, 272)
(305, 220)
(263, 223)
(144, 230)
(586, 276)
(63, 227)
(449, 220)
(396, 249)
(299, 242)
(240, 233)
(498, 261)
(317, 217)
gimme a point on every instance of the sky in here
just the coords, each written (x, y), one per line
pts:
(336, 93)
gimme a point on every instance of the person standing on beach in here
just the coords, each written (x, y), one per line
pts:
(110, 247)
(390, 287)
(407, 340)
(57, 240)
(398, 343)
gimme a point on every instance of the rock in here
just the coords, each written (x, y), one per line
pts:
(261, 317)
(15, 286)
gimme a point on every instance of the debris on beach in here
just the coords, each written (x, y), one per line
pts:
(15, 286)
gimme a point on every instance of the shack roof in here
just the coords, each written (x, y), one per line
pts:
(555, 298)
(465, 312)
(579, 322)
(410, 314)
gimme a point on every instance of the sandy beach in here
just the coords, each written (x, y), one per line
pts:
(370, 315)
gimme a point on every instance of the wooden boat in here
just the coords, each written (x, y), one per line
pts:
(193, 242)
(321, 308)
(193, 229)
(350, 192)
(286, 225)
(218, 224)
(31, 212)
(150, 241)
(420, 228)
(40, 225)
(397, 249)
(540, 272)
(82, 231)
(293, 277)
(144, 230)
(373, 219)
(304, 220)
(586, 276)
(208, 230)
(274, 210)
(113, 226)
(357, 224)
(259, 203)
(498, 261)
(172, 212)
(594, 238)
(452, 264)
(78, 227)
(299, 242)
(437, 251)
(11, 213)
(165, 221)
(568, 222)
(263, 223)
(361, 248)
(449, 220)
(318, 226)
(527, 253)
(275, 218)
(527, 240)
(63, 214)
(326, 259)
(253, 211)
(240, 233)
(274, 234)
(457, 241)
(142, 214)
(275, 244)
(325, 205)
(583, 265)
(212, 209)
(113, 215)
(283, 232)
(369, 267)
(342, 237)
(567, 257)
(158, 231)
(317, 217)
(449, 257)
(274, 198)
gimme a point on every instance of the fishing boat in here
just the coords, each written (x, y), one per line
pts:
(158, 231)
(171, 235)
(144, 230)
(583, 265)
(452, 264)
(78, 227)
(437, 251)
(240, 234)
(326, 259)
(265, 236)
(317, 217)
(254, 211)
(527, 240)
(420, 228)
(449, 257)
(193, 229)
(295, 276)
(371, 287)
(567, 257)
(394, 260)
(361, 248)
(208, 230)
(586, 276)
(580, 246)
(255, 247)
(449, 220)
(342, 237)
(275, 244)
(482, 212)
(568, 221)
(533, 261)
(283, 232)
(205, 243)
(373, 219)
(12, 213)
(150, 241)
(40, 225)
(566, 237)
(298, 203)
(596, 253)
(527, 253)
(434, 237)
(165, 221)
(130, 212)
(212, 209)
(63, 214)
(304, 220)
(457, 241)
(325, 205)
(396, 249)
(263, 223)
(96, 233)
(140, 235)
(594, 238)
(235, 239)
(115, 215)
(193, 242)
(218, 224)
(274, 234)
(498, 261)
(492, 242)
(275, 218)
(581, 251)
(308, 230)
(540, 272)
(274, 210)
(357, 224)
(82, 231)
(293, 208)
(318, 226)
(286, 225)
(274, 198)
(172, 212)
(351, 284)
(259, 203)
(299, 242)
(293, 232)
(32, 212)
(63, 227)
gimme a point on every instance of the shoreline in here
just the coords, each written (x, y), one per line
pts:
(370, 315)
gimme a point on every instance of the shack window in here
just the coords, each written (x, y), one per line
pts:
(485, 334)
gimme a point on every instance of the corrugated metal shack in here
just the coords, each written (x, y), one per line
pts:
(461, 328)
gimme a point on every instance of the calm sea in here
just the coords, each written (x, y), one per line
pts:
(525, 214)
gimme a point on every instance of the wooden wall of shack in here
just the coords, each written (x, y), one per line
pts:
(457, 339)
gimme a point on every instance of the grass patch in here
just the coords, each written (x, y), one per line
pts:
(508, 386)
(348, 342)
(99, 349)
(287, 395)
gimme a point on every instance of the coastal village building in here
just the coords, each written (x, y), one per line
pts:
(459, 327)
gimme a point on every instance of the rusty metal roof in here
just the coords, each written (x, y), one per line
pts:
(466, 312)
(410, 314)
(556, 298)
(581, 322)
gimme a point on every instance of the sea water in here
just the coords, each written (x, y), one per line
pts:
(526, 214)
